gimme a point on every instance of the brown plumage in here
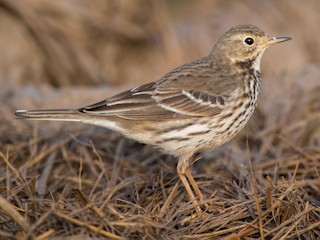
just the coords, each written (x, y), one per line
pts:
(196, 107)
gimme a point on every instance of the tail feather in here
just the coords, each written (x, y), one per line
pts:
(52, 114)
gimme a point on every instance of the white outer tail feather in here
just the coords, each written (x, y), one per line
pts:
(54, 114)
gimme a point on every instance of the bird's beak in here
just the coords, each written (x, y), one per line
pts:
(274, 40)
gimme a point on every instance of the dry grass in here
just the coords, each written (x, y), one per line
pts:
(75, 181)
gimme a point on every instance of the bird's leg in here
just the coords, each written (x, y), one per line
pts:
(182, 170)
(194, 184)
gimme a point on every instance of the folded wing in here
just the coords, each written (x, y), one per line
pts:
(152, 101)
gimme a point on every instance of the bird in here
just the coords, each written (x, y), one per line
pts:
(194, 108)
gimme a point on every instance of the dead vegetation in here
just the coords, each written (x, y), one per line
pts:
(73, 181)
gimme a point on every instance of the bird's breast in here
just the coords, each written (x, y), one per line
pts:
(234, 117)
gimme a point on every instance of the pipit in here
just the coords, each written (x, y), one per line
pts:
(194, 108)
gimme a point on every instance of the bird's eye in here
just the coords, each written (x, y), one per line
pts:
(249, 41)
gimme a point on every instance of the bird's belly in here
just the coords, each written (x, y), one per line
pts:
(206, 133)
(195, 134)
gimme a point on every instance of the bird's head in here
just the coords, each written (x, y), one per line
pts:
(243, 46)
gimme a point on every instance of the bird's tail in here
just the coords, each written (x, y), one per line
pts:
(51, 114)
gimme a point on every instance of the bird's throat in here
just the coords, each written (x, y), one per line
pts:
(251, 63)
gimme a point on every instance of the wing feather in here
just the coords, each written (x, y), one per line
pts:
(173, 96)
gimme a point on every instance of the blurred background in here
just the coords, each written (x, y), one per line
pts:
(69, 53)
(105, 43)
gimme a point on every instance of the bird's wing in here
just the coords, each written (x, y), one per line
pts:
(173, 96)
(149, 102)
